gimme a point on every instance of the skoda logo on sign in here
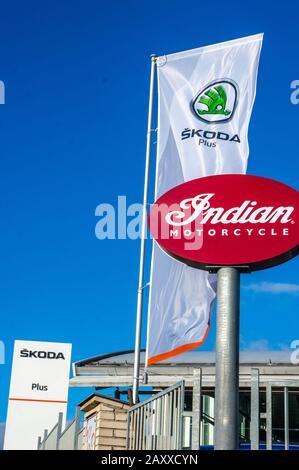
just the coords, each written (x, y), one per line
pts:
(216, 102)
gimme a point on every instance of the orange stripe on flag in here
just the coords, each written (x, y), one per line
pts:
(179, 350)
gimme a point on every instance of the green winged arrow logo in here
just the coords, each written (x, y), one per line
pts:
(216, 102)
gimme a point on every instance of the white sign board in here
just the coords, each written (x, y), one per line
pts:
(38, 391)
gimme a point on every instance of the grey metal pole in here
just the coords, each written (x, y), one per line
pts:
(77, 428)
(227, 360)
(196, 409)
(59, 428)
(286, 418)
(45, 439)
(143, 237)
(269, 416)
(255, 409)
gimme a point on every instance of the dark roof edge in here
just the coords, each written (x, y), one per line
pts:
(107, 397)
(100, 357)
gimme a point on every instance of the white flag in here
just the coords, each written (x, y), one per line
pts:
(205, 102)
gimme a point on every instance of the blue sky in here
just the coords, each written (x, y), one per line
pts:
(72, 135)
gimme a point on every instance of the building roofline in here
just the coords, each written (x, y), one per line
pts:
(126, 358)
(101, 357)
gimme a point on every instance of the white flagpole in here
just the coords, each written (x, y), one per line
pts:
(143, 236)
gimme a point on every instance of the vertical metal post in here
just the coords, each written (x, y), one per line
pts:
(269, 416)
(39, 442)
(77, 428)
(59, 429)
(45, 439)
(180, 413)
(254, 410)
(196, 409)
(128, 430)
(286, 418)
(143, 237)
(227, 360)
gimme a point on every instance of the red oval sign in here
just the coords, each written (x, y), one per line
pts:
(228, 220)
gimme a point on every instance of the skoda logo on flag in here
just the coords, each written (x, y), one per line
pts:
(217, 101)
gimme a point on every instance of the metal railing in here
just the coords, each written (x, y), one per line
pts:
(68, 439)
(161, 423)
(156, 423)
(52, 440)
(271, 441)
